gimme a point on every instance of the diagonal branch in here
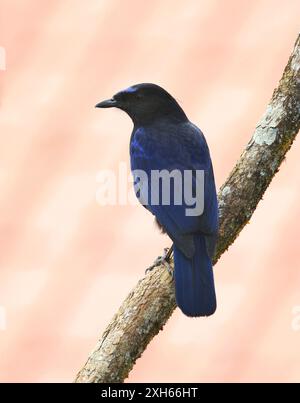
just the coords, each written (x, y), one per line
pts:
(149, 305)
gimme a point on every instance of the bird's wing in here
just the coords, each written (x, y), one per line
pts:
(181, 148)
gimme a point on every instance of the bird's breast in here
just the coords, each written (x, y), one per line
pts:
(142, 144)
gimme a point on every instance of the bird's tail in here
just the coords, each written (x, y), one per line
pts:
(194, 281)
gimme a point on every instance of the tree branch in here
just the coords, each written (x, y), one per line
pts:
(149, 305)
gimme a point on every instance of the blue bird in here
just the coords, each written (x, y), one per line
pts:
(164, 140)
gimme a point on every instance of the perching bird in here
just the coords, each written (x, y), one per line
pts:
(164, 139)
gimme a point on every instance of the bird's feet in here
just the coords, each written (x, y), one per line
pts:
(162, 260)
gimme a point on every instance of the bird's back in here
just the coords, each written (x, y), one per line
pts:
(168, 145)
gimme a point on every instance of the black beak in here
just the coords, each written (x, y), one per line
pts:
(108, 103)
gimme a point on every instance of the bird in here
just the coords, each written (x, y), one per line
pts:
(164, 139)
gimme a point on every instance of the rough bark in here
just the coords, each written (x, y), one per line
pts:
(149, 305)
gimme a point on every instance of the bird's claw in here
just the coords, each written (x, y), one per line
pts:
(161, 260)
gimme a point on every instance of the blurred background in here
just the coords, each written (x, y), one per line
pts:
(66, 263)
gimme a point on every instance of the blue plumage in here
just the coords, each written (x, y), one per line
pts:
(164, 139)
(194, 281)
(168, 145)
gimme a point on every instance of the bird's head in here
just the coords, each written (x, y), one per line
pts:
(145, 103)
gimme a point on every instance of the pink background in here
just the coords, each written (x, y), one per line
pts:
(67, 263)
